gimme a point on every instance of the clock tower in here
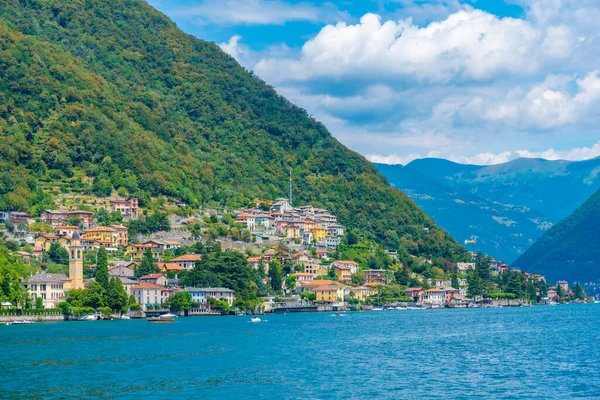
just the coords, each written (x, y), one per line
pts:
(75, 262)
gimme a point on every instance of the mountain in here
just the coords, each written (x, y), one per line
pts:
(104, 96)
(569, 250)
(506, 206)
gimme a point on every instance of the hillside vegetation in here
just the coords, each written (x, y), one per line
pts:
(97, 96)
(569, 250)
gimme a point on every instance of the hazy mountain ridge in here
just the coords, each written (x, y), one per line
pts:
(506, 206)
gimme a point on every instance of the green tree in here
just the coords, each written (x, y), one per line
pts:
(147, 266)
(455, 283)
(93, 296)
(58, 254)
(578, 292)
(483, 266)
(275, 275)
(39, 303)
(102, 268)
(181, 301)
(116, 296)
(290, 282)
(476, 285)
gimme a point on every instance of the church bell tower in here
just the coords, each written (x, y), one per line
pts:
(76, 262)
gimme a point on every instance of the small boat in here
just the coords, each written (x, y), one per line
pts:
(23, 322)
(255, 319)
(163, 318)
(91, 317)
(125, 317)
(376, 309)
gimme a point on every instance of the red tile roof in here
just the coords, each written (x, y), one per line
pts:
(188, 257)
(147, 286)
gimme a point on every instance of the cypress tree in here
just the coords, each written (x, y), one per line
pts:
(102, 268)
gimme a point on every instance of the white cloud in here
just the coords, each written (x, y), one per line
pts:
(255, 12)
(467, 45)
(232, 47)
(580, 153)
(489, 158)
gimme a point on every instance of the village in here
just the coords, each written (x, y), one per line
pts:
(304, 237)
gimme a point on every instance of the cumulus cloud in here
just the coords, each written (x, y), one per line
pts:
(469, 86)
(490, 158)
(467, 45)
(255, 12)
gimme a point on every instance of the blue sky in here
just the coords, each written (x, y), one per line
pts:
(479, 81)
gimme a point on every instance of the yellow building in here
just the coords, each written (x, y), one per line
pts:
(361, 293)
(292, 231)
(45, 241)
(122, 234)
(319, 233)
(343, 273)
(102, 234)
(136, 251)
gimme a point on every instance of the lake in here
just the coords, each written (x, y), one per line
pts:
(535, 352)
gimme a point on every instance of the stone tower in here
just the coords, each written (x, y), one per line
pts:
(75, 262)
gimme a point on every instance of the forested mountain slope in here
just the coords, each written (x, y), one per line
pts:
(569, 250)
(102, 95)
(506, 206)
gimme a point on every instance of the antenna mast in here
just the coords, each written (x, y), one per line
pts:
(290, 186)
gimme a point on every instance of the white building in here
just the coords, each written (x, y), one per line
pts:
(50, 287)
(434, 296)
(147, 294)
(201, 295)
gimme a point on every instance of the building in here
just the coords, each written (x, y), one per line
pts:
(201, 295)
(353, 265)
(65, 230)
(54, 218)
(4, 215)
(121, 270)
(187, 261)
(46, 240)
(360, 293)
(434, 296)
(128, 283)
(103, 235)
(564, 285)
(374, 275)
(343, 273)
(147, 295)
(319, 233)
(57, 218)
(155, 279)
(303, 277)
(122, 232)
(49, 287)
(75, 250)
(415, 293)
(136, 251)
(281, 205)
(463, 268)
(170, 267)
(127, 208)
(86, 218)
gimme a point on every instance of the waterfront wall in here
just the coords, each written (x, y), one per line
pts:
(35, 318)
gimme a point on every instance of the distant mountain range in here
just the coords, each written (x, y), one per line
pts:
(570, 250)
(506, 206)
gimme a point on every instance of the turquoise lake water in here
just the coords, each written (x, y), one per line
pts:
(536, 352)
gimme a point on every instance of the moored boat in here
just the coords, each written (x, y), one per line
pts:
(163, 318)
